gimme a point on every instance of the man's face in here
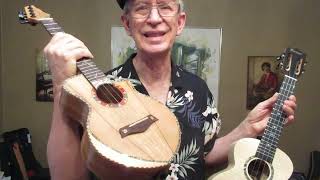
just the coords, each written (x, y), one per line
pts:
(154, 33)
(266, 69)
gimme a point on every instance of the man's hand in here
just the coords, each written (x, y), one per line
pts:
(62, 52)
(257, 119)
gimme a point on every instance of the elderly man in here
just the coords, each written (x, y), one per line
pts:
(153, 24)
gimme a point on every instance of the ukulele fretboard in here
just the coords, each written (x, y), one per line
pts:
(270, 138)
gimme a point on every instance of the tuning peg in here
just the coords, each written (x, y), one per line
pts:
(281, 65)
(22, 17)
(281, 57)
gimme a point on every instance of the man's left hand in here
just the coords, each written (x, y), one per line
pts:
(256, 121)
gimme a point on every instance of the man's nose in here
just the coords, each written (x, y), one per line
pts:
(154, 16)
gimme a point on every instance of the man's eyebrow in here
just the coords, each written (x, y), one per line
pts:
(145, 2)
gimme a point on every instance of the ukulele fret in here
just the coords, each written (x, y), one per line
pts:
(86, 66)
(270, 138)
(90, 71)
(51, 26)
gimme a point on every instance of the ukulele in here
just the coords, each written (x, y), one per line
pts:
(253, 159)
(126, 133)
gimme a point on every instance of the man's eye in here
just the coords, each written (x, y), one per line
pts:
(164, 6)
(141, 8)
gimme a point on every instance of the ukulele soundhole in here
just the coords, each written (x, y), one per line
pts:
(109, 94)
(257, 169)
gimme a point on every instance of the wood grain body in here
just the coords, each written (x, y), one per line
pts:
(242, 151)
(106, 153)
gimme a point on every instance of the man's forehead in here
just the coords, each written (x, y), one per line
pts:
(150, 1)
(122, 2)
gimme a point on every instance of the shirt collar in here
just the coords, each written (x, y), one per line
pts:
(176, 75)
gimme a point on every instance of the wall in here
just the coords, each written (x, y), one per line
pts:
(250, 28)
(255, 28)
(1, 27)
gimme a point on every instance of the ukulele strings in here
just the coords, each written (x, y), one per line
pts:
(106, 91)
(288, 90)
(158, 128)
(145, 136)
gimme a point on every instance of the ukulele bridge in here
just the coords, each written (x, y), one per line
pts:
(139, 126)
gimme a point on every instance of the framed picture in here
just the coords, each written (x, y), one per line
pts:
(264, 79)
(44, 87)
(197, 50)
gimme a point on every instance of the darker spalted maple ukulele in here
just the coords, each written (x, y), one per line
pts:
(126, 133)
(251, 159)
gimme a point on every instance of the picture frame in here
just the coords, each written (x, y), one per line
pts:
(264, 79)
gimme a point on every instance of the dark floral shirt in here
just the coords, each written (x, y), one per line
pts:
(190, 100)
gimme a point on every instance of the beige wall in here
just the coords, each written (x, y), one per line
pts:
(1, 27)
(250, 28)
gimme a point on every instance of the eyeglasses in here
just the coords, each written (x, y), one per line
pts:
(165, 9)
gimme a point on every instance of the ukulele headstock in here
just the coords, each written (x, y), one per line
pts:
(32, 15)
(292, 62)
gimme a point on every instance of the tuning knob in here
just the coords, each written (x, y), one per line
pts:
(281, 65)
(281, 57)
(22, 17)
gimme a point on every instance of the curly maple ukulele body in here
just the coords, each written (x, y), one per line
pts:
(104, 146)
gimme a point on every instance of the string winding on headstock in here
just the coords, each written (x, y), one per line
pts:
(32, 15)
(292, 62)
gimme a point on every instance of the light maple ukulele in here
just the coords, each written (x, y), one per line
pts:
(251, 159)
(126, 133)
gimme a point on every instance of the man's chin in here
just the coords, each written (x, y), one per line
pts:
(156, 49)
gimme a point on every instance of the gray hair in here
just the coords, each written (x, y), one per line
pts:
(126, 6)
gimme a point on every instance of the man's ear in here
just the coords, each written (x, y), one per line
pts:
(181, 22)
(126, 24)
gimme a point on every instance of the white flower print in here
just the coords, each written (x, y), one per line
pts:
(172, 176)
(174, 101)
(207, 112)
(218, 124)
(189, 95)
(210, 128)
(174, 167)
(178, 74)
(210, 110)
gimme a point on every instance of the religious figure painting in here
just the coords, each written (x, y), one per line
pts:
(264, 79)
(197, 50)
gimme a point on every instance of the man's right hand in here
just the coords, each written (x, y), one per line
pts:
(62, 52)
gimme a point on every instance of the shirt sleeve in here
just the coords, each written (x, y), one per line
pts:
(212, 123)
